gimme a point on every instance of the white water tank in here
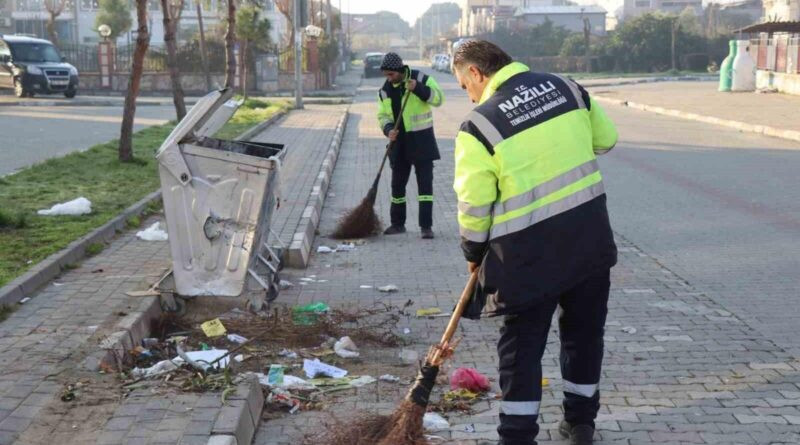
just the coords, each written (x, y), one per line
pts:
(744, 68)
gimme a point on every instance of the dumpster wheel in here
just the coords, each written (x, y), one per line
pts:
(172, 303)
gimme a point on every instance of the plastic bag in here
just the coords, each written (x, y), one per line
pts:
(307, 315)
(469, 379)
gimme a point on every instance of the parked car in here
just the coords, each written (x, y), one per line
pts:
(440, 62)
(34, 66)
(372, 64)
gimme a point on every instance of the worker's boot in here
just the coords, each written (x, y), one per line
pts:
(427, 233)
(577, 434)
(394, 230)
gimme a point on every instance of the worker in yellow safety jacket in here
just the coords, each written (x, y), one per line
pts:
(533, 221)
(415, 142)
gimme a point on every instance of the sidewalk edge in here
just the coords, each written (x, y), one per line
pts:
(299, 250)
(765, 130)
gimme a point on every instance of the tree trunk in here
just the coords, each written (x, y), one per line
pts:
(244, 68)
(230, 41)
(142, 42)
(203, 57)
(674, 31)
(171, 18)
(54, 10)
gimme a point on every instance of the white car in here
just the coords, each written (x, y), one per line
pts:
(440, 62)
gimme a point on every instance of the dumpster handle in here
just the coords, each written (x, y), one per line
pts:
(246, 170)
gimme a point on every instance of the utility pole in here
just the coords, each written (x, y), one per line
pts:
(328, 20)
(587, 41)
(674, 31)
(203, 56)
(298, 56)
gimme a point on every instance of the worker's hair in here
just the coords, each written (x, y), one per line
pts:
(486, 56)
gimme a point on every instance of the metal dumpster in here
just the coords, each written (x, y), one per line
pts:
(218, 200)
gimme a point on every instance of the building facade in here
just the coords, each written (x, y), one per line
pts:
(569, 17)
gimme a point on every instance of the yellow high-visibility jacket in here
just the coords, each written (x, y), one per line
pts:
(531, 202)
(417, 140)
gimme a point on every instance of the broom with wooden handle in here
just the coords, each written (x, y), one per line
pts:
(404, 426)
(362, 221)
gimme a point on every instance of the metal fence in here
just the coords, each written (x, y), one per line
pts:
(83, 57)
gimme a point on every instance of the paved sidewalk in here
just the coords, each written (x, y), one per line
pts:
(688, 372)
(50, 341)
(770, 109)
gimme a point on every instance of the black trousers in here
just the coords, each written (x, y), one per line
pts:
(401, 171)
(523, 337)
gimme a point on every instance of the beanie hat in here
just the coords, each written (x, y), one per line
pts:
(392, 62)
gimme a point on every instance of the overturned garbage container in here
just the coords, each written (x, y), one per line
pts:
(219, 196)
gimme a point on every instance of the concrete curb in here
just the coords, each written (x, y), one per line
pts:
(648, 80)
(28, 283)
(255, 131)
(300, 247)
(791, 135)
(240, 418)
(86, 103)
(52, 266)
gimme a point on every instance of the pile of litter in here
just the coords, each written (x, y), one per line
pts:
(153, 233)
(79, 206)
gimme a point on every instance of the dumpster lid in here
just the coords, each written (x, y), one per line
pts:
(204, 119)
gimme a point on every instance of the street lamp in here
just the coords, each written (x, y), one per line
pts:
(104, 31)
(313, 31)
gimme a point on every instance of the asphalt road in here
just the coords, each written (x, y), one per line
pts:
(718, 207)
(34, 134)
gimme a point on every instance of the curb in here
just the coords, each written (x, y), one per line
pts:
(240, 418)
(650, 80)
(791, 135)
(300, 248)
(253, 132)
(42, 273)
(89, 103)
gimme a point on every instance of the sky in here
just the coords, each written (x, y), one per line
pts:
(409, 10)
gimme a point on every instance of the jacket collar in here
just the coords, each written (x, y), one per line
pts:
(500, 77)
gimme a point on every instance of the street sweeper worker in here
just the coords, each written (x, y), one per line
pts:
(415, 142)
(533, 222)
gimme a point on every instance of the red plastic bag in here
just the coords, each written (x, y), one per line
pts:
(469, 379)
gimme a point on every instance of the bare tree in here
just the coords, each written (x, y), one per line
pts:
(230, 41)
(54, 9)
(172, 11)
(142, 42)
(203, 56)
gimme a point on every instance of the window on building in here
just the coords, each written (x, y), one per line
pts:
(642, 3)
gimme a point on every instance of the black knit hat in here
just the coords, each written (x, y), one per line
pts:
(392, 62)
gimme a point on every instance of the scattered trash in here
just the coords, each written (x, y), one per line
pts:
(434, 422)
(469, 379)
(152, 233)
(428, 312)
(409, 356)
(314, 368)
(158, 368)
(292, 382)
(149, 342)
(307, 315)
(213, 328)
(469, 428)
(362, 381)
(285, 284)
(545, 381)
(240, 358)
(346, 247)
(365, 286)
(236, 338)
(275, 375)
(205, 358)
(307, 279)
(406, 331)
(389, 288)
(389, 378)
(68, 394)
(283, 397)
(346, 348)
(98, 271)
(629, 330)
(25, 300)
(80, 206)
(57, 284)
(288, 354)
(325, 249)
